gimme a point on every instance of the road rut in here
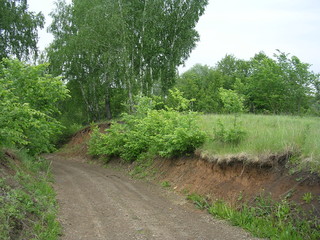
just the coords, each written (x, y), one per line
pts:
(97, 203)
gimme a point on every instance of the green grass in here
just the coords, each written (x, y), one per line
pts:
(28, 206)
(165, 184)
(266, 218)
(266, 134)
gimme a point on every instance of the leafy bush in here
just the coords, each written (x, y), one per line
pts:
(166, 133)
(28, 105)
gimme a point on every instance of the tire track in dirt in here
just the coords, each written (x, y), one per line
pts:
(102, 203)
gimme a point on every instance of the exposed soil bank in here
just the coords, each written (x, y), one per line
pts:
(235, 181)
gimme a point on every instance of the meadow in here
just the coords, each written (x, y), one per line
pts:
(265, 134)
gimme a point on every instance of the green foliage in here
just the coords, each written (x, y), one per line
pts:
(166, 133)
(165, 184)
(232, 135)
(28, 208)
(19, 29)
(282, 84)
(111, 51)
(29, 99)
(202, 84)
(177, 102)
(266, 218)
(142, 166)
(107, 144)
(266, 134)
(307, 197)
(232, 102)
(198, 200)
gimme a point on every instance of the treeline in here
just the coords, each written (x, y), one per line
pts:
(279, 85)
(111, 51)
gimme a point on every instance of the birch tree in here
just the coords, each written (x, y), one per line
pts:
(113, 48)
(18, 29)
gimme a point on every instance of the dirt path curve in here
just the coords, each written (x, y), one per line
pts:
(98, 203)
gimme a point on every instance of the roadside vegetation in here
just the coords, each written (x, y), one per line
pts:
(28, 207)
(150, 132)
(28, 106)
(265, 218)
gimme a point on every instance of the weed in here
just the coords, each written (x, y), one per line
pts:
(307, 197)
(231, 136)
(142, 165)
(199, 201)
(166, 133)
(165, 184)
(240, 197)
(185, 191)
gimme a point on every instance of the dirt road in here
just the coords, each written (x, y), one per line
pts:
(103, 203)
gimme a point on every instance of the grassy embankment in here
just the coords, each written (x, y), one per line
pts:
(266, 134)
(27, 200)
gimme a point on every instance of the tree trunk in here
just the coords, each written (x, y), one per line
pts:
(108, 107)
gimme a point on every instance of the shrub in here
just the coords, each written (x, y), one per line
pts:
(166, 133)
(232, 135)
(28, 106)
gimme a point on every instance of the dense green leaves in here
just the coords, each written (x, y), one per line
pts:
(202, 83)
(282, 84)
(110, 51)
(18, 29)
(28, 105)
(165, 133)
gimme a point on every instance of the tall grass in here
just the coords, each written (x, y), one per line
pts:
(266, 134)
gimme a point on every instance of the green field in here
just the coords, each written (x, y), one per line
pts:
(266, 134)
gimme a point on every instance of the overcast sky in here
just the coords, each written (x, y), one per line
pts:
(243, 28)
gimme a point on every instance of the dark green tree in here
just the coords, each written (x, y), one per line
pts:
(298, 79)
(233, 70)
(18, 29)
(202, 83)
(265, 89)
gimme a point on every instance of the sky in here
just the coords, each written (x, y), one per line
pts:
(243, 28)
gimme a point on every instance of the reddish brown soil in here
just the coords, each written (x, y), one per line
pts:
(78, 144)
(229, 182)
